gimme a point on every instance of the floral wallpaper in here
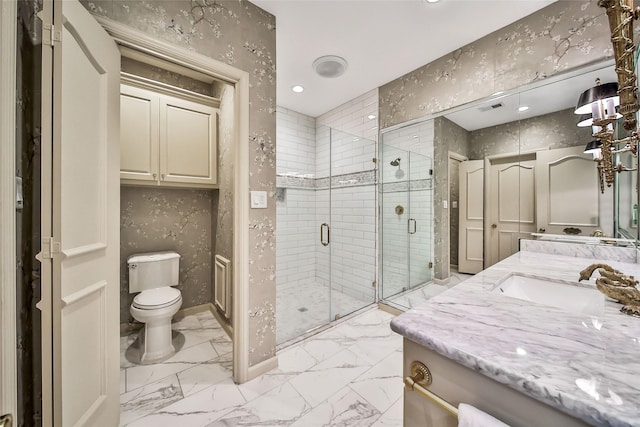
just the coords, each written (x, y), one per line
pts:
(155, 219)
(448, 136)
(563, 36)
(28, 234)
(243, 35)
(555, 130)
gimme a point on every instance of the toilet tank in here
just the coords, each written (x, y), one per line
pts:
(153, 270)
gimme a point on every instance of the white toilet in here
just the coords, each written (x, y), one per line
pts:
(153, 275)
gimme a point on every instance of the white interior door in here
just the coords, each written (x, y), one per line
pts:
(82, 257)
(567, 192)
(471, 234)
(511, 199)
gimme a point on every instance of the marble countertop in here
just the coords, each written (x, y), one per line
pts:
(586, 366)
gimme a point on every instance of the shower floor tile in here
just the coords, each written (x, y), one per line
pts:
(349, 374)
(305, 305)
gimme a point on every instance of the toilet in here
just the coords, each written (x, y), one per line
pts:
(153, 275)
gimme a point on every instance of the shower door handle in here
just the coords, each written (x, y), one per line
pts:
(322, 228)
(412, 222)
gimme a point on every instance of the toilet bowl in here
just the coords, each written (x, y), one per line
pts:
(153, 275)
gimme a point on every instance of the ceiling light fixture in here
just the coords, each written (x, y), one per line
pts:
(523, 108)
(371, 116)
(297, 89)
(330, 66)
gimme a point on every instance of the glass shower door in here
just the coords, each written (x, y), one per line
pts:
(419, 193)
(353, 223)
(396, 220)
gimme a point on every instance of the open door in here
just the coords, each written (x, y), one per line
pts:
(81, 77)
(471, 234)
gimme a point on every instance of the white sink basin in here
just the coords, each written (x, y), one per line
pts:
(569, 296)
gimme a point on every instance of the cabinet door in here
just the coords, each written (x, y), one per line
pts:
(139, 111)
(188, 142)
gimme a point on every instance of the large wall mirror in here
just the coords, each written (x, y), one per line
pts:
(525, 156)
(507, 166)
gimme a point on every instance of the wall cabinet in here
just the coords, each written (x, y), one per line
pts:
(166, 140)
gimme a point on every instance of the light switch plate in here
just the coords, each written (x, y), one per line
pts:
(258, 200)
(445, 204)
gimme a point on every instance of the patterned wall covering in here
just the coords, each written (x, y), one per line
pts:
(565, 35)
(28, 144)
(555, 130)
(448, 136)
(242, 35)
(153, 219)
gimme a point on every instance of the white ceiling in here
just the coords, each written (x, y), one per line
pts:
(380, 39)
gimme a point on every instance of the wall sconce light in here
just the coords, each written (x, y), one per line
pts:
(601, 100)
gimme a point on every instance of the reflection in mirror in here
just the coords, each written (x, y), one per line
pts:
(537, 178)
(513, 172)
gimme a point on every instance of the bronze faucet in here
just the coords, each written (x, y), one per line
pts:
(616, 285)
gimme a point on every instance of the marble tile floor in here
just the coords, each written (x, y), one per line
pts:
(347, 375)
(414, 297)
(307, 304)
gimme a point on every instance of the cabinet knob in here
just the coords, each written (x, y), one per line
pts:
(154, 175)
(162, 177)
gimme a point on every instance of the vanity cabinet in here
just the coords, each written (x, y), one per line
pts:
(166, 140)
(458, 384)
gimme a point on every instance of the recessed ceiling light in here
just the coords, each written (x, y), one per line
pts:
(500, 92)
(432, 1)
(371, 116)
(523, 108)
(297, 88)
(330, 66)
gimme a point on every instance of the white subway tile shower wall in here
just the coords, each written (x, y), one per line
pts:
(305, 202)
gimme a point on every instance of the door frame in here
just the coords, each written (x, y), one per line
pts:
(137, 40)
(8, 358)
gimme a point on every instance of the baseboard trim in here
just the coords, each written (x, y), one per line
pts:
(262, 368)
(441, 282)
(391, 310)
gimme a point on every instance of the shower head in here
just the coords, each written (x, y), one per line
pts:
(395, 162)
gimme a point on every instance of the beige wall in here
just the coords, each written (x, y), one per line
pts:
(242, 35)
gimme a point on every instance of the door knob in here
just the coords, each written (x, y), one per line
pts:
(494, 225)
(542, 230)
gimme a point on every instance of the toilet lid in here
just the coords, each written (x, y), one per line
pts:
(156, 297)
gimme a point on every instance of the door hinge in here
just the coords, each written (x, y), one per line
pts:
(49, 248)
(430, 171)
(430, 264)
(374, 160)
(374, 284)
(50, 35)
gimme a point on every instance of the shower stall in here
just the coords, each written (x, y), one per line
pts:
(326, 228)
(406, 209)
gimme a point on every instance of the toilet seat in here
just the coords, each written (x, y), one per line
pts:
(157, 298)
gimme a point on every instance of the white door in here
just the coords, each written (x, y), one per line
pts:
(567, 197)
(511, 198)
(80, 265)
(470, 257)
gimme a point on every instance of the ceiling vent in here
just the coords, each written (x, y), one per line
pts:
(491, 107)
(330, 66)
